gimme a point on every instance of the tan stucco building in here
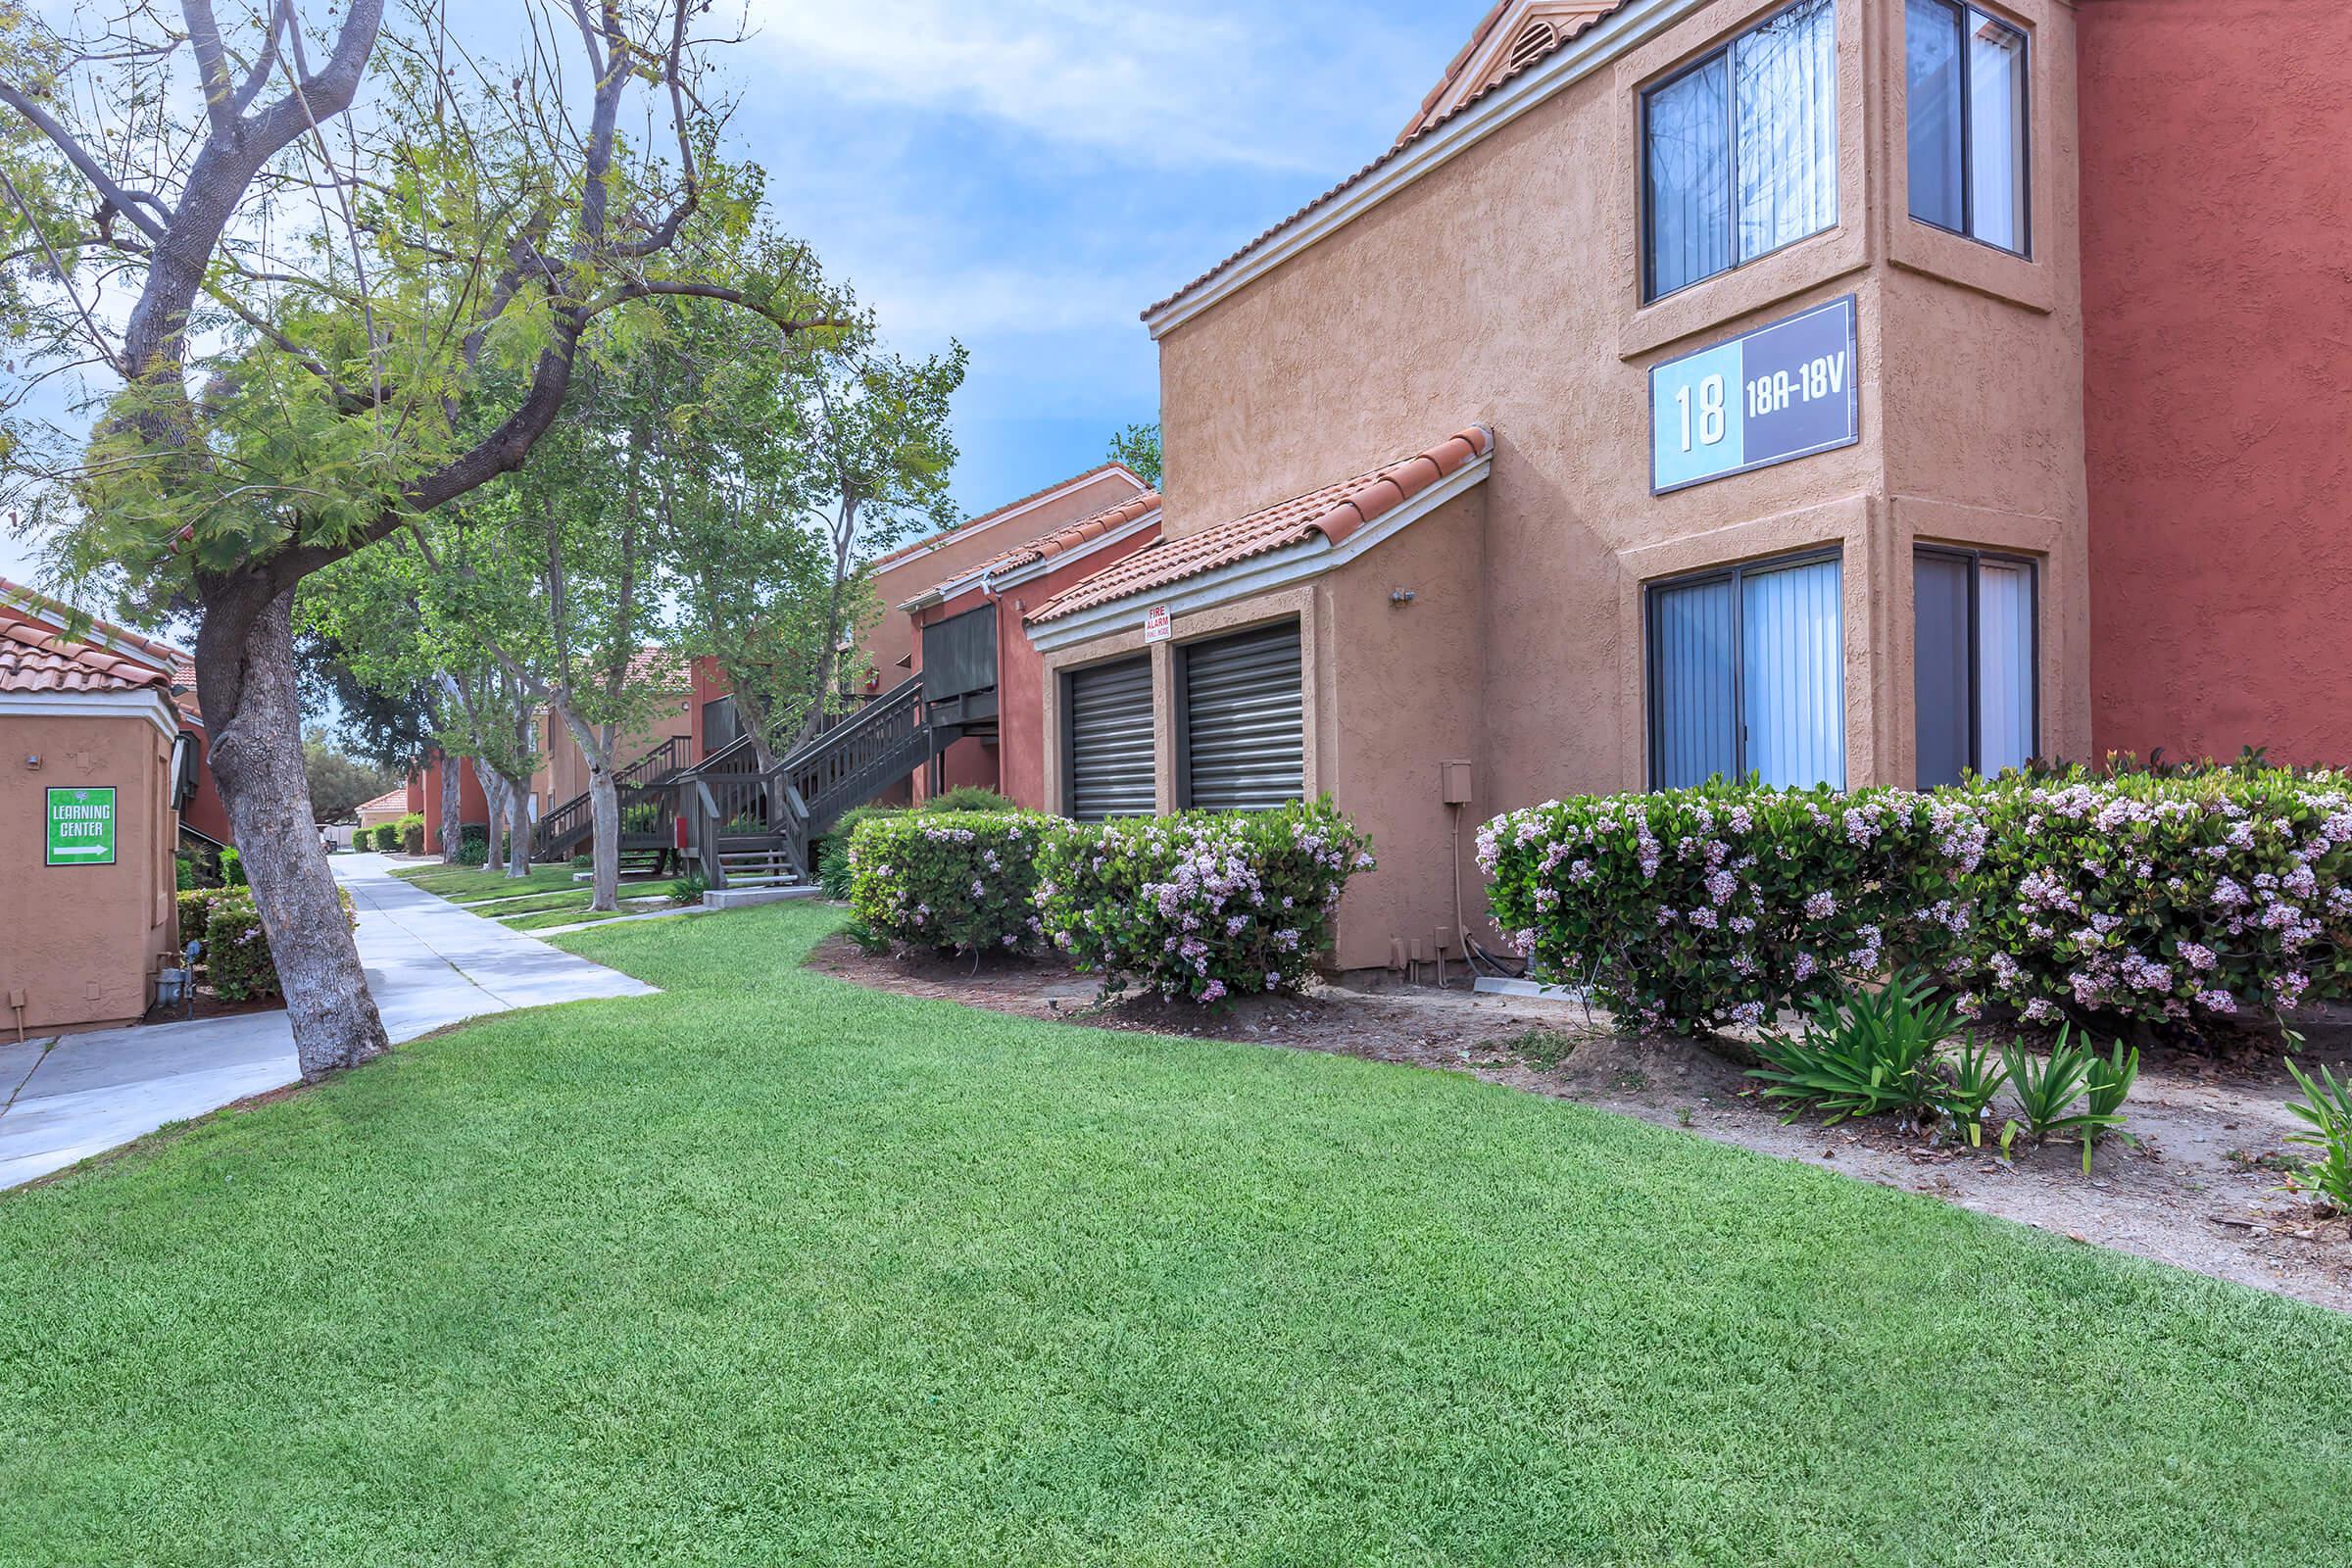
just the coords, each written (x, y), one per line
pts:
(1495, 430)
(88, 826)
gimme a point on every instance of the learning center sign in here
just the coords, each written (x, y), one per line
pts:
(82, 827)
(1783, 391)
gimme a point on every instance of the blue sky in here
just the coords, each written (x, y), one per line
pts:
(1025, 176)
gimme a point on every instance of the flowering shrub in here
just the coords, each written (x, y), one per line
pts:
(960, 880)
(2165, 899)
(1204, 904)
(196, 912)
(1689, 909)
(236, 952)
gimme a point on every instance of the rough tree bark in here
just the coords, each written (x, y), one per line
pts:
(604, 806)
(519, 825)
(453, 831)
(494, 802)
(257, 760)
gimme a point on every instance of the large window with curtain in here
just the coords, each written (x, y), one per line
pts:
(1748, 674)
(1739, 150)
(1974, 653)
(1965, 76)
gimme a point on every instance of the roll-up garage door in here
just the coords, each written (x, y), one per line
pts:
(1244, 746)
(1110, 741)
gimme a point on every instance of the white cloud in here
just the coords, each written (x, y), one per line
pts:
(1256, 86)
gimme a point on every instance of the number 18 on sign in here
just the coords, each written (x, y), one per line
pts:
(1783, 391)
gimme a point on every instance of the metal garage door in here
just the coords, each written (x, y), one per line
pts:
(1243, 741)
(1110, 741)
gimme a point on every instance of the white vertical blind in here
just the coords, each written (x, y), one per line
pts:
(1692, 668)
(1997, 122)
(2004, 665)
(1785, 84)
(1793, 673)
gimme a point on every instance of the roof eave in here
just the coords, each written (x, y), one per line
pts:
(1260, 573)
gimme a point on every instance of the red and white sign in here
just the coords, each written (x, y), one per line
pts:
(1155, 624)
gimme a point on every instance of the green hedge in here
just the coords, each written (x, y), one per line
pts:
(2163, 900)
(1202, 905)
(958, 881)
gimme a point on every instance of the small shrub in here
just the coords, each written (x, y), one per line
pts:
(386, 836)
(1202, 905)
(1977, 1074)
(2327, 1105)
(2048, 1088)
(411, 833)
(474, 845)
(196, 912)
(232, 869)
(1689, 910)
(1876, 1052)
(688, 889)
(184, 873)
(237, 962)
(961, 881)
(236, 952)
(2105, 1088)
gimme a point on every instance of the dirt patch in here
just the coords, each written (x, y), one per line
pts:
(2199, 1185)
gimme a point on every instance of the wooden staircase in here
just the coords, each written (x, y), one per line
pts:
(757, 830)
(646, 803)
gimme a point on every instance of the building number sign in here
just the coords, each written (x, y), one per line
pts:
(1780, 392)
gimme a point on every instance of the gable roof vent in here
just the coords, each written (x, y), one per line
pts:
(1533, 40)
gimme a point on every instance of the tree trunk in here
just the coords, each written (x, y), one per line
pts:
(453, 831)
(257, 760)
(604, 809)
(518, 826)
(494, 802)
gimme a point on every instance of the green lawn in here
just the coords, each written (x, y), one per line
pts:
(767, 1269)
(470, 884)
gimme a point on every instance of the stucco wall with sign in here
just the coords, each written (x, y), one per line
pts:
(1503, 288)
(83, 941)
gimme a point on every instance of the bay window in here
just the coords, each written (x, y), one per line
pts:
(1739, 150)
(1966, 86)
(1973, 660)
(1748, 675)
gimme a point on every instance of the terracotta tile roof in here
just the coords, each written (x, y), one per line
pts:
(1421, 126)
(973, 525)
(1335, 512)
(17, 602)
(395, 799)
(650, 664)
(1067, 538)
(1565, 21)
(37, 658)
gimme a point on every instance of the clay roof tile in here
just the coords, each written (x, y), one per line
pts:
(37, 658)
(1334, 511)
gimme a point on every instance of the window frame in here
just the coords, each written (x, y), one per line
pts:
(1976, 559)
(2024, 250)
(1650, 294)
(1653, 704)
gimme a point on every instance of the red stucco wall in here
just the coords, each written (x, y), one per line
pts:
(2217, 285)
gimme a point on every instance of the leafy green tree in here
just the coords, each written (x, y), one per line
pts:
(337, 318)
(338, 781)
(1137, 447)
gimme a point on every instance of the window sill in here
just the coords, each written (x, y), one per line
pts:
(1726, 297)
(1937, 253)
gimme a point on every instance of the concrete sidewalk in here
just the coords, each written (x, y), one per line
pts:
(428, 962)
